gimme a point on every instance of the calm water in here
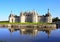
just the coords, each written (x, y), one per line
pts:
(30, 35)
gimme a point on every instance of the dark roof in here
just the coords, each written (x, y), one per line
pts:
(11, 15)
(48, 14)
(16, 16)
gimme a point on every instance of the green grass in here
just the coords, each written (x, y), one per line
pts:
(6, 22)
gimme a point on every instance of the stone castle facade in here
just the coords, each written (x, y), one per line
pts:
(32, 16)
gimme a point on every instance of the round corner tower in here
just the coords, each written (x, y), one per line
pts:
(48, 17)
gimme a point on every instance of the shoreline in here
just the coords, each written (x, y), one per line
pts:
(29, 25)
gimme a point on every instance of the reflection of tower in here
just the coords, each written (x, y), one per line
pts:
(48, 32)
(28, 31)
(35, 31)
(22, 31)
(11, 30)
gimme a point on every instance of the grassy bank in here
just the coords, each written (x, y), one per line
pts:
(23, 23)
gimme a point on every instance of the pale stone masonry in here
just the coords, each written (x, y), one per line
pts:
(31, 16)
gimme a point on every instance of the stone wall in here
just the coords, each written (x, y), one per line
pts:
(29, 25)
(31, 17)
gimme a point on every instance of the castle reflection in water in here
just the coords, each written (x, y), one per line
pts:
(31, 31)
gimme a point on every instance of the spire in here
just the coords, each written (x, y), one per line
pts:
(11, 12)
(33, 10)
(48, 10)
(48, 13)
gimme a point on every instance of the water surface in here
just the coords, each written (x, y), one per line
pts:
(30, 35)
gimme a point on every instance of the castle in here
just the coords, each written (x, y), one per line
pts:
(31, 16)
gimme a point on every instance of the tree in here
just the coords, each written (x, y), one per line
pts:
(56, 19)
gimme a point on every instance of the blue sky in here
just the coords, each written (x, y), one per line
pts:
(17, 6)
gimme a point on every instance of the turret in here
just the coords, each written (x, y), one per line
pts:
(22, 17)
(35, 17)
(48, 17)
(11, 18)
